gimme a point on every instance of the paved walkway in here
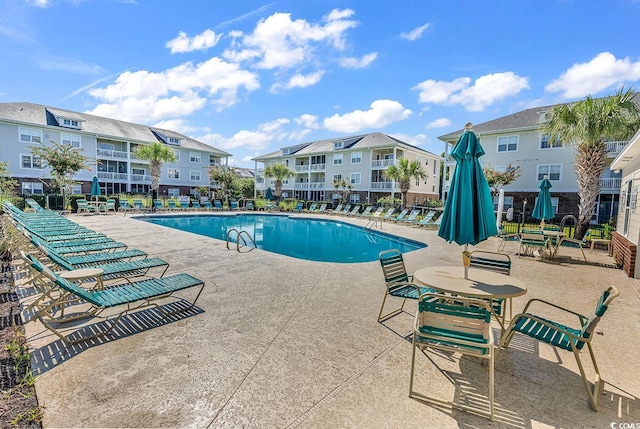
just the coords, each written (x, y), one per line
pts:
(286, 343)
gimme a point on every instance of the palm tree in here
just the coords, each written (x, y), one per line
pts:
(589, 124)
(403, 173)
(224, 176)
(156, 153)
(279, 172)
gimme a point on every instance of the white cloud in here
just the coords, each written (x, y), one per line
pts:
(439, 123)
(602, 72)
(416, 33)
(358, 63)
(177, 125)
(485, 91)
(253, 140)
(39, 3)
(308, 121)
(299, 81)
(299, 135)
(280, 42)
(145, 96)
(202, 41)
(380, 114)
(70, 65)
(416, 140)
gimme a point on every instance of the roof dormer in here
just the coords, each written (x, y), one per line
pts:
(67, 119)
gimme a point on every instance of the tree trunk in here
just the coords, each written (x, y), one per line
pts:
(590, 162)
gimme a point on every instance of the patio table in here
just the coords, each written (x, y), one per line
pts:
(553, 249)
(483, 284)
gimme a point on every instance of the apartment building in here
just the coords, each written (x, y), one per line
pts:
(519, 140)
(109, 145)
(360, 160)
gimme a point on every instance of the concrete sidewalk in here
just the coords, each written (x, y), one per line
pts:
(279, 342)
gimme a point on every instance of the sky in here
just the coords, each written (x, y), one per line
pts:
(250, 77)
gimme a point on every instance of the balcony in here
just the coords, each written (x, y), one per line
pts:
(301, 168)
(141, 178)
(382, 163)
(107, 153)
(318, 167)
(120, 177)
(384, 186)
(614, 148)
(610, 184)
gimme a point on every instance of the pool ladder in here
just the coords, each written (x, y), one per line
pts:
(373, 223)
(240, 234)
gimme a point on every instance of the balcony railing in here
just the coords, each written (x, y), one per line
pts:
(382, 163)
(610, 183)
(301, 168)
(141, 178)
(318, 167)
(384, 185)
(614, 148)
(112, 153)
(104, 175)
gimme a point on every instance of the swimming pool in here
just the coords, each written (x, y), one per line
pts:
(324, 240)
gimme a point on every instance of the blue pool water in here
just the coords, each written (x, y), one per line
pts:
(304, 238)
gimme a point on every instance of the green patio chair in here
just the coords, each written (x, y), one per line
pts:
(398, 283)
(172, 205)
(110, 206)
(233, 205)
(158, 206)
(131, 296)
(206, 204)
(367, 212)
(564, 337)
(354, 211)
(389, 214)
(337, 210)
(499, 263)
(196, 205)
(412, 217)
(125, 207)
(575, 243)
(139, 206)
(299, 206)
(84, 207)
(312, 208)
(532, 240)
(506, 237)
(322, 208)
(454, 328)
(250, 206)
(400, 216)
(217, 205)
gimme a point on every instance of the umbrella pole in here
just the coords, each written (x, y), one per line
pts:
(466, 260)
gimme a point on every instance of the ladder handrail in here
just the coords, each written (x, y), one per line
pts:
(239, 236)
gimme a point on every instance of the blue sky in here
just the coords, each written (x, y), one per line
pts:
(250, 77)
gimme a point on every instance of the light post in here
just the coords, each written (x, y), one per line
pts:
(524, 208)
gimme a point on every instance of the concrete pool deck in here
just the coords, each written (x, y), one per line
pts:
(279, 342)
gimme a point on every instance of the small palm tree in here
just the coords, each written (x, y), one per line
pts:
(278, 172)
(156, 153)
(589, 124)
(404, 173)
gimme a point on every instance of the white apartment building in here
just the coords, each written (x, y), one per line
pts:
(519, 140)
(360, 160)
(108, 144)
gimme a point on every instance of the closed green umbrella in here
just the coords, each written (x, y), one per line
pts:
(468, 216)
(95, 188)
(268, 195)
(543, 208)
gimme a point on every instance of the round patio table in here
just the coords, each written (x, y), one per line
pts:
(483, 284)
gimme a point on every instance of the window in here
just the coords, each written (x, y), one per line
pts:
(337, 177)
(71, 139)
(194, 157)
(338, 145)
(30, 135)
(30, 162)
(337, 159)
(105, 146)
(508, 203)
(173, 192)
(355, 178)
(173, 173)
(627, 207)
(545, 144)
(32, 188)
(139, 171)
(173, 140)
(354, 198)
(508, 144)
(177, 153)
(76, 189)
(194, 175)
(552, 171)
(356, 157)
(70, 123)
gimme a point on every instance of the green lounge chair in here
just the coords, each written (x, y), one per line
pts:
(564, 337)
(206, 204)
(322, 208)
(133, 296)
(111, 270)
(217, 205)
(401, 216)
(337, 210)
(158, 206)
(110, 206)
(125, 207)
(250, 206)
(412, 216)
(172, 205)
(389, 214)
(366, 212)
(139, 206)
(196, 205)
(354, 211)
(312, 208)
(426, 219)
(233, 205)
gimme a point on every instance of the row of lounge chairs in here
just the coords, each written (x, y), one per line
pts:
(405, 216)
(76, 274)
